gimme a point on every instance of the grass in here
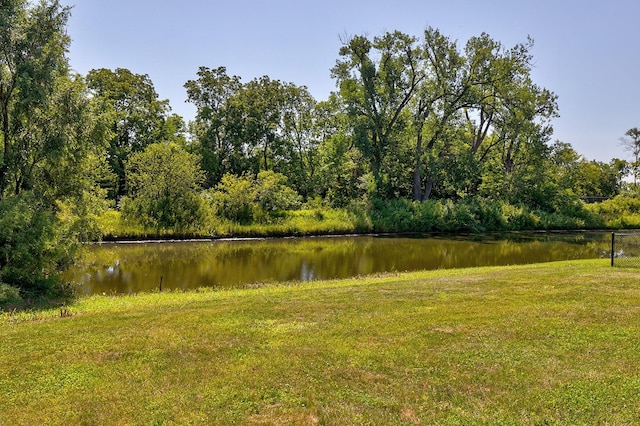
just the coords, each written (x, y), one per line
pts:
(555, 343)
(292, 222)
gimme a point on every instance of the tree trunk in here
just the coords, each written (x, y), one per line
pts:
(427, 190)
(4, 161)
(417, 176)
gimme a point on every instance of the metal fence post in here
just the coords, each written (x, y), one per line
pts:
(613, 246)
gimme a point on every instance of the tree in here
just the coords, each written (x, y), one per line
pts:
(261, 104)
(632, 144)
(340, 164)
(441, 95)
(32, 59)
(33, 245)
(503, 111)
(377, 80)
(587, 179)
(301, 138)
(440, 115)
(136, 116)
(51, 145)
(164, 180)
(217, 126)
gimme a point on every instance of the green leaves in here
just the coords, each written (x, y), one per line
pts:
(32, 245)
(164, 180)
(33, 44)
(129, 104)
(245, 198)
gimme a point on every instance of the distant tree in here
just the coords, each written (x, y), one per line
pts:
(261, 103)
(631, 143)
(264, 124)
(586, 178)
(130, 104)
(299, 132)
(164, 181)
(340, 164)
(377, 80)
(218, 127)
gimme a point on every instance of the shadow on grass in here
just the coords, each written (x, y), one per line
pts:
(14, 300)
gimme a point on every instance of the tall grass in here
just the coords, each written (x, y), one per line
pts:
(475, 215)
(466, 215)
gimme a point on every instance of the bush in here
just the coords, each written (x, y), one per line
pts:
(234, 198)
(273, 194)
(33, 247)
(164, 181)
(476, 215)
(243, 199)
(620, 212)
(9, 295)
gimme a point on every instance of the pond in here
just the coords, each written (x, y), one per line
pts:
(121, 268)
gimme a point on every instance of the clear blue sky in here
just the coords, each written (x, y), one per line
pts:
(587, 52)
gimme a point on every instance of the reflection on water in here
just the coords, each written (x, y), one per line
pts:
(129, 268)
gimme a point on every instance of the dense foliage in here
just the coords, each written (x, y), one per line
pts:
(422, 135)
(163, 182)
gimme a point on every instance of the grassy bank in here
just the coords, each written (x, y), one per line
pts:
(287, 223)
(394, 216)
(544, 344)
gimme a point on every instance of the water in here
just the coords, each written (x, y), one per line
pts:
(134, 267)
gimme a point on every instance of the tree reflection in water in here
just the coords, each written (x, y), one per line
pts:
(130, 268)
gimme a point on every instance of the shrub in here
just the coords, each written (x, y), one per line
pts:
(273, 194)
(9, 295)
(33, 247)
(234, 197)
(244, 199)
(164, 181)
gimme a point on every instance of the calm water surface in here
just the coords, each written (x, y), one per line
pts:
(134, 267)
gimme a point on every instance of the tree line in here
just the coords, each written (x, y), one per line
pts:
(413, 118)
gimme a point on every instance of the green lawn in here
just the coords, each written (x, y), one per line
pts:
(556, 343)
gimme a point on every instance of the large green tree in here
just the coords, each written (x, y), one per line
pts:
(33, 43)
(377, 80)
(591, 180)
(431, 117)
(51, 145)
(136, 116)
(264, 124)
(217, 128)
